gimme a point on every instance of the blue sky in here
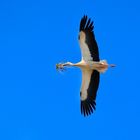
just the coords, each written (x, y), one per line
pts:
(37, 102)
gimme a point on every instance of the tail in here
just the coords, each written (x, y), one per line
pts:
(103, 67)
(104, 62)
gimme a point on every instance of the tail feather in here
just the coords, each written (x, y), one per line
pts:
(103, 67)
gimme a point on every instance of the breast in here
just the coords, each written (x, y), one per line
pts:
(84, 65)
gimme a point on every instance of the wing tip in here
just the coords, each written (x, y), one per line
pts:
(87, 107)
(86, 23)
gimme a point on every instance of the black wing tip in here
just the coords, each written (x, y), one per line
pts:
(86, 23)
(87, 107)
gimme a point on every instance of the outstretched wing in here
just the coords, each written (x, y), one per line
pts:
(88, 44)
(90, 78)
(90, 83)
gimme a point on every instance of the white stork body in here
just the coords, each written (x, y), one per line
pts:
(90, 65)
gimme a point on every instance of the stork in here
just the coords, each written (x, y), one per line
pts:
(90, 65)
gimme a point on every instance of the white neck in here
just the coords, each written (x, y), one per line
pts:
(68, 64)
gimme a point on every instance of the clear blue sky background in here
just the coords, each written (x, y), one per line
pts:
(37, 102)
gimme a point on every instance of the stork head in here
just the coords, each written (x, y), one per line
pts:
(62, 66)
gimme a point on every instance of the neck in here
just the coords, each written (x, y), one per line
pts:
(68, 64)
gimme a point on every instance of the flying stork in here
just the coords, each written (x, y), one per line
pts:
(90, 65)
